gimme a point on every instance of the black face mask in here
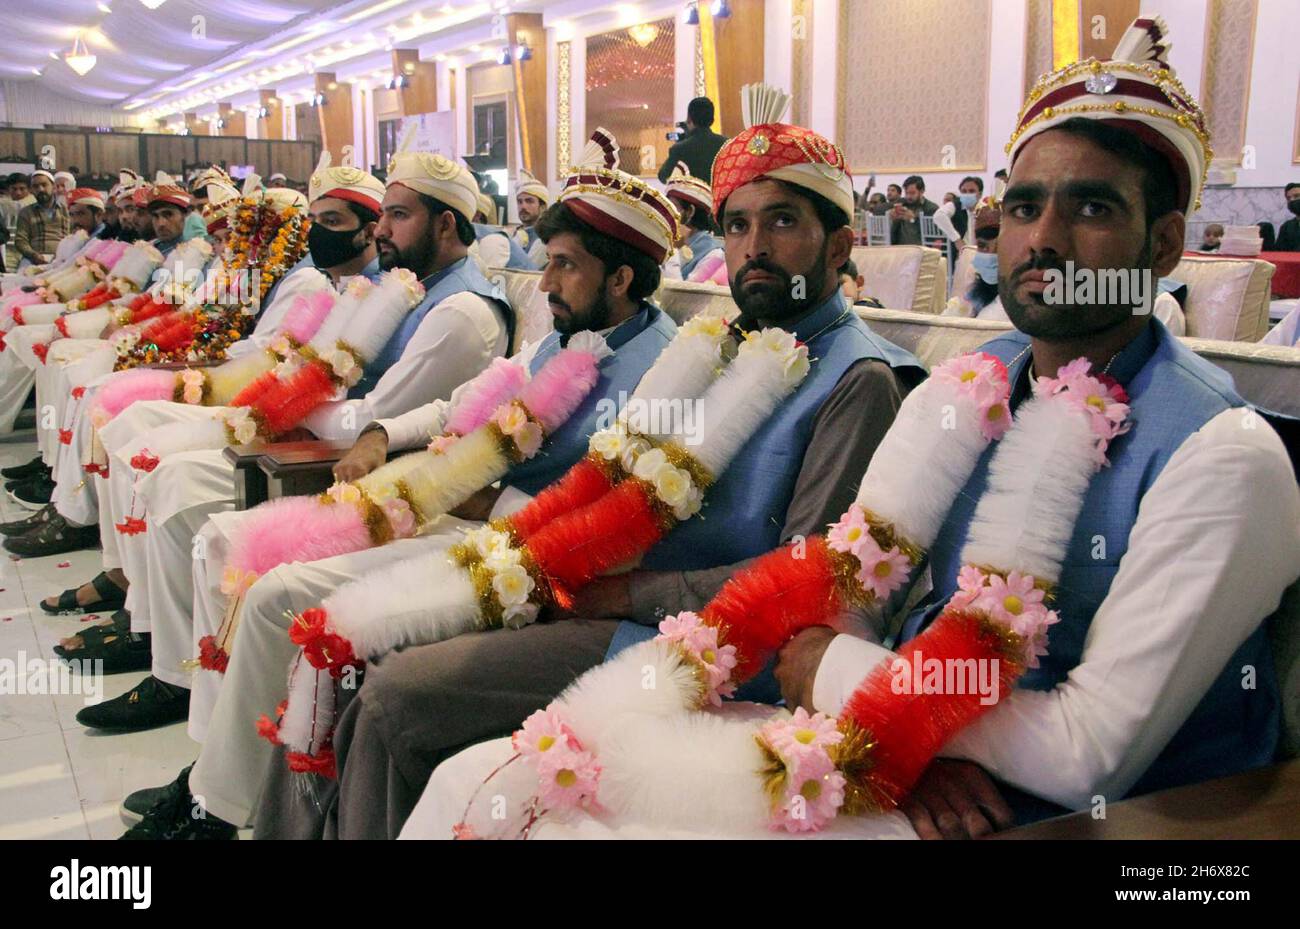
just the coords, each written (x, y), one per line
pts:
(332, 247)
(1294, 206)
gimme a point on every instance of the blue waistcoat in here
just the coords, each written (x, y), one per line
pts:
(519, 260)
(700, 243)
(745, 509)
(636, 343)
(1173, 393)
(462, 275)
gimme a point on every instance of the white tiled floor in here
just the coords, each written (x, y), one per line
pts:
(59, 780)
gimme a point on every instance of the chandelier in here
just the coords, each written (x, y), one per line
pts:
(644, 34)
(79, 58)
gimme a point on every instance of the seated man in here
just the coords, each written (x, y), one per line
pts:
(782, 216)
(68, 513)
(461, 323)
(496, 248)
(168, 207)
(531, 199)
(42, 224)
(1158, 672)
(694, 200)
(595, 281)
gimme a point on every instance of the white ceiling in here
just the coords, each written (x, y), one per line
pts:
(137, 48)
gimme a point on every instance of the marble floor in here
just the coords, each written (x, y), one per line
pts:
(59, 780)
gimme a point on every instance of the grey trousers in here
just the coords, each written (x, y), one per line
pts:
(417, 707)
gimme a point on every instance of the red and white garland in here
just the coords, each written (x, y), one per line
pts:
(611, 744)
(608, 510)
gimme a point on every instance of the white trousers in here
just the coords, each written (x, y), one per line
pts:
(224, 708)
(454, 782)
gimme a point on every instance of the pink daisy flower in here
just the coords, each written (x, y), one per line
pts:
(568, 778)
(813, 796)
(677, 628)
(545, 731)
(970, 585)
(995, 417)
(801, 735)
(881, 572)
(847, 534)
(1005, 600)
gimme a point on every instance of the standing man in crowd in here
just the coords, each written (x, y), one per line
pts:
(699, 146)
(907, 212)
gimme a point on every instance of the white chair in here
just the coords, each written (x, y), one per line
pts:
(907, 277)
(877, 229)
(963, 272)
(1227, 298)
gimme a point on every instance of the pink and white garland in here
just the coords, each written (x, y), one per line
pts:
(653, 754)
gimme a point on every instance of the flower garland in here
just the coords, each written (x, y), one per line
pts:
(353, 516)
(276, 403)
(810, 767)
(501, 575)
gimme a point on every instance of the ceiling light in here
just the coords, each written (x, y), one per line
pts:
(79, 59)
(153, 4)
(104, 7)
(644, 34)
(523, 52)
(720, 9)
(691, 15)
(54, 55)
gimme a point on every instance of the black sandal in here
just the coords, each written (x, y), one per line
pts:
(93, 636)
(112, 598)
(120, 652)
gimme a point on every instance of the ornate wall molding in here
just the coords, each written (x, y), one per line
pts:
(563, 116)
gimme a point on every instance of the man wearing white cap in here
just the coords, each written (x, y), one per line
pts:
(64, 182)
(184, 490)
(459, 326)
(694, 200)
(43, 224)
(781, 483)
(494, 246)
(609, 273)
(531, 198)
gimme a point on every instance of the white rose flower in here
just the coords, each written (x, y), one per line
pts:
(672, 485)
(690, 506)
(245, 431)
(520, 615)
(632, 451)
(796, 367)
(501, 559)
(608, 443)
(512, 586)
(648, 465)
(343, 363)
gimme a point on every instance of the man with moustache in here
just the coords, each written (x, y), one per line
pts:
(1160, 622)
(596, 281)
(42, 224)
(783, 197)
(531, 198)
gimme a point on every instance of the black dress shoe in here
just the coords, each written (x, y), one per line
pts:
(179, 816)
(23, 471)
(119, 649)
(33, 493)
(27, 524)
(140, 802)
(54, 536)
(150, 704)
